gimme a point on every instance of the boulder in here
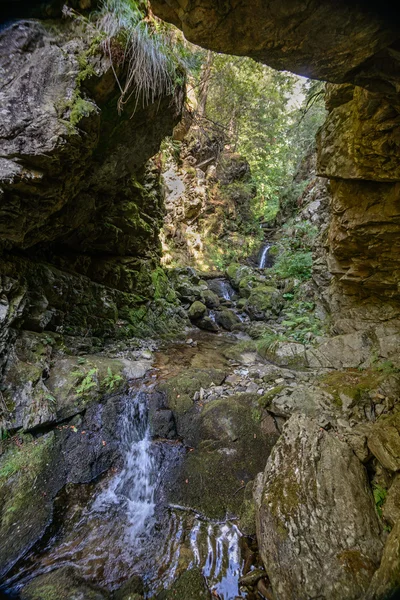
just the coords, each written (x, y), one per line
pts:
(191, 585)
(231, 447)
(62, 584)
(211, 299)
(263, 302)
(318, 531)
(227, 319)
(207, 323)
(197, 310)
(179, 394)
(236, 272)
(133, 589)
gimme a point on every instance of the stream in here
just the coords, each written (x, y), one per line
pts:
(122, 524)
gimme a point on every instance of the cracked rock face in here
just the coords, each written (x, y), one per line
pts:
(318, 530)
(325, 40)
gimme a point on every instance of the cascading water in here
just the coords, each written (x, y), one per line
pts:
(124, 525)
(226, 290)
(135, 485)
(263, 256)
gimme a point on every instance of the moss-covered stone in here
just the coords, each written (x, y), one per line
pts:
(227, 319)
(232, 450)
(191, 585)
(62, 584)
(197, 310)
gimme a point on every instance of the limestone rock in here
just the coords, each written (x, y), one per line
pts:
(318, 531)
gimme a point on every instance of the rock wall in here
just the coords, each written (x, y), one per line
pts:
(358, 150)
(81, 206)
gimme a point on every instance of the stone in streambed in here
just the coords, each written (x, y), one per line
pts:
(132, 589)
(211, 299)
(227, 319)
(197, 310)
(318, 531)
(191, 585)
(207, 324)
(62, 584)
(230, 450)
(179, 392)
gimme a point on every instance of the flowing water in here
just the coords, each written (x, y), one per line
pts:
(263, 257)
(123, 525)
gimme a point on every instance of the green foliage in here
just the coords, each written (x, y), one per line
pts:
(295, 258)
(298, 265)
(269, 341)
(301, 323)
(270, 117)
(88, 381)
(386, 367)
(111, 380)
(380, 494)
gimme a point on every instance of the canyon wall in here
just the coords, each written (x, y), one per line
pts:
(81, 204)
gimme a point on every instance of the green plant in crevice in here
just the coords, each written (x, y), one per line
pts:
(112, 380)
(380, 494)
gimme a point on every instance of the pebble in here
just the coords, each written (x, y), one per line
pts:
(280, 380)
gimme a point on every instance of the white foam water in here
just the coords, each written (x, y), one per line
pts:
(134, 486)
(264, 256)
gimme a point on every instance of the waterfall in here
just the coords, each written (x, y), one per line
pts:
(134, 486)
(264, 256)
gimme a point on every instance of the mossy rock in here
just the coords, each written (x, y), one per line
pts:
(180, 391)
(197, 310)
(232, 451)
(24, 511)
(61, 584)
(211, 300)
(191, 585)
(236, 272)
(263, 302)
(132, 589)
(227, 319)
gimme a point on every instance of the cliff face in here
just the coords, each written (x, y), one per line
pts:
(355, 45)
(81, 206)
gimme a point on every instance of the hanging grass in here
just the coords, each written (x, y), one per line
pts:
(151, 57)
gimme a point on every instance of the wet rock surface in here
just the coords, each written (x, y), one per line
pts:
(303, 502)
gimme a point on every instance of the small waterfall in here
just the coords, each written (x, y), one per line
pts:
(226, 290)
(135, 485)
(263, 256)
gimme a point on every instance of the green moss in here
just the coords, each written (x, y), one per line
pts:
(19, 469)
(352, 383)
(266, 399)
